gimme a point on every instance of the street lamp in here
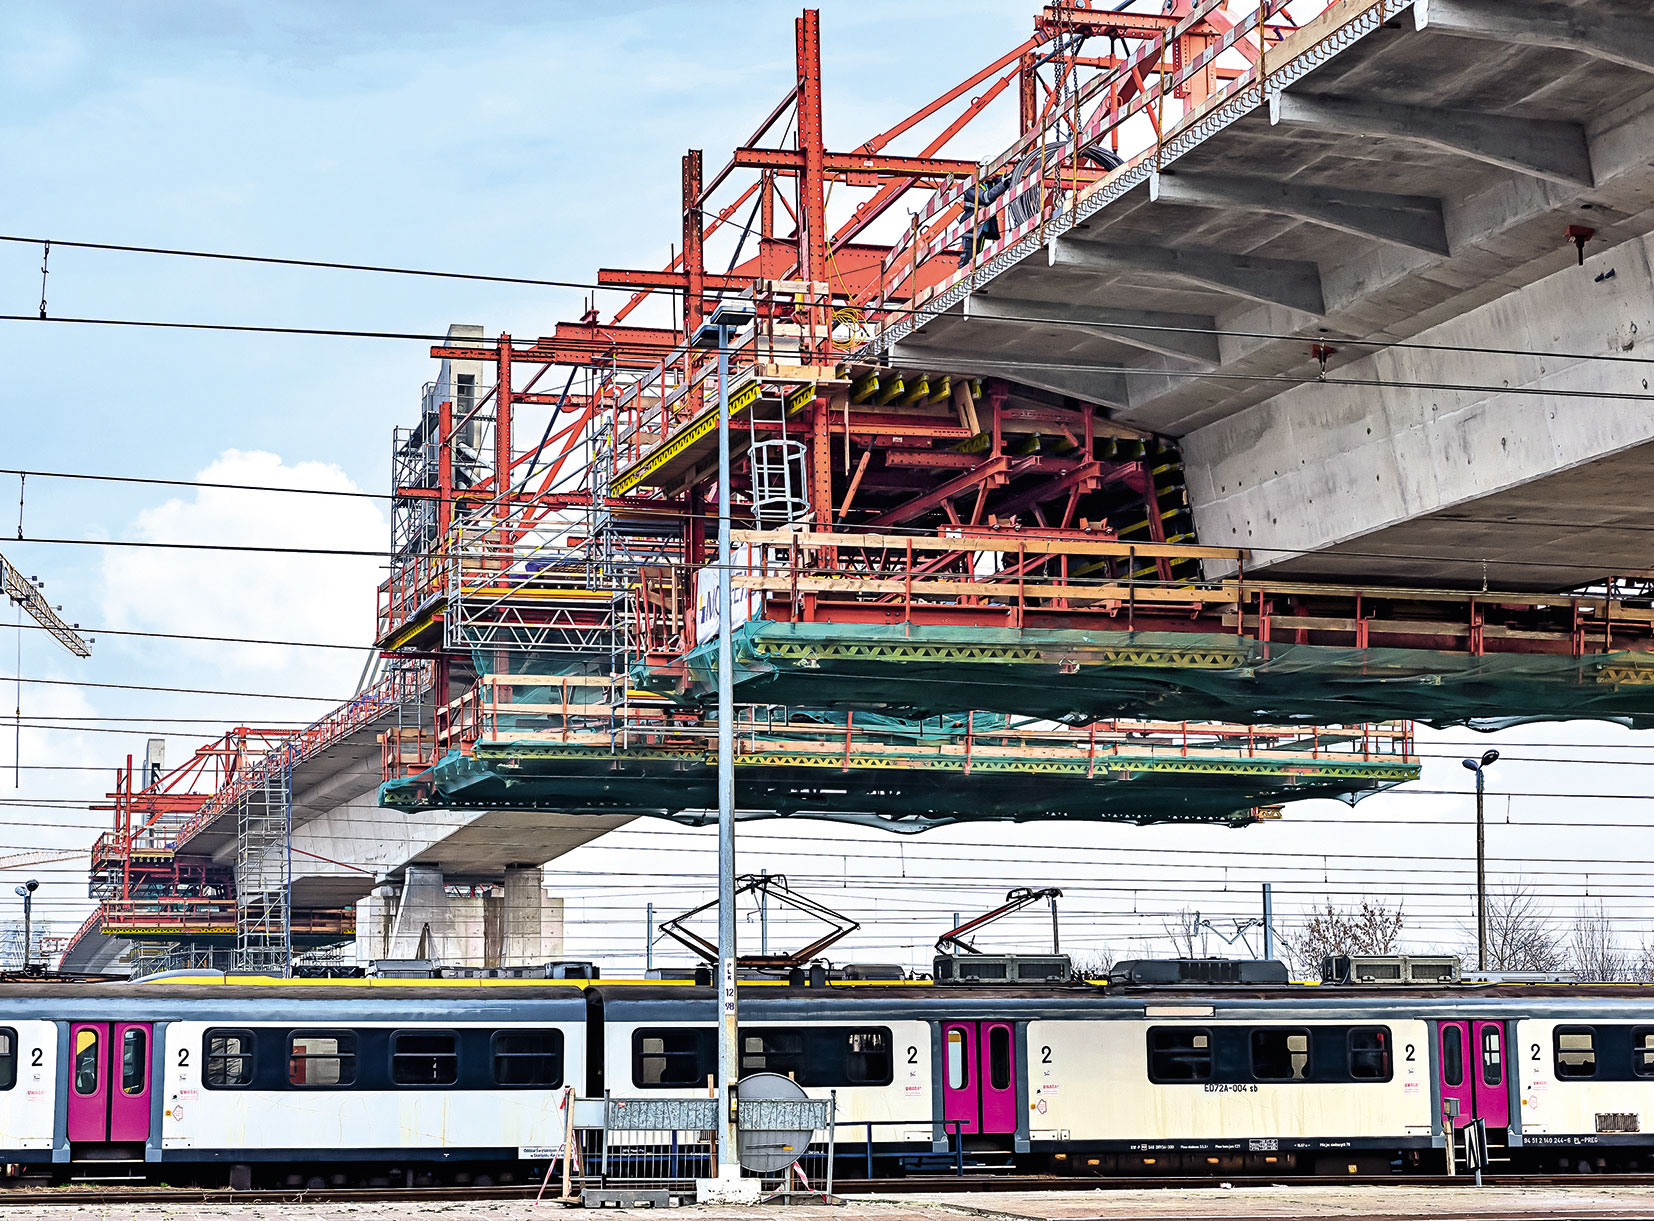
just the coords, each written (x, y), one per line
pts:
(716, 332)
(1480, 766)
(26, 893)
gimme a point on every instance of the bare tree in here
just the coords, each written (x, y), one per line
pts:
(1187, 934)
(1593, 951)
(1370, 928)
(1093, 964)
(1642, 964)
(1521, 934)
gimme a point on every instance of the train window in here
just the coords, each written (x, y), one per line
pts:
(8, 1057)
(87, 1054)
(772, 1051)
(528, 1057)
(227, 1058)
(867, 1057)
(1280, 1053)
(663, 1058)
(1180, 1053)
(424, 1058)
(1370, 1053)
(1576, 1051)
(1452, 1055)
(134, 1072)
(1493, 1071)
(1642, 1051)
(321, 1058)
(999, 1057)
(958, 1072)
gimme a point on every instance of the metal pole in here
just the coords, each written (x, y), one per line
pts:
(1056, 942)
(28, 915)
(649, 937)
(729, 1166)
(763, 916)
(1481, 879)
(1268, 922)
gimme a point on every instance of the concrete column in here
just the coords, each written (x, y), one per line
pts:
(375, 917)
(523, 942)
(422, 925)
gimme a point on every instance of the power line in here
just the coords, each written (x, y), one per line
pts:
(314, 263)
(716, 295)
(292, 644)
(618, 350)
(803, 570)
(259, 695)
(193, 483)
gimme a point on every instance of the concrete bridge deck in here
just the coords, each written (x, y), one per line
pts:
(1407, 173)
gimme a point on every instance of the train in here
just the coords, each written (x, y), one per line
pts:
(465, 1080)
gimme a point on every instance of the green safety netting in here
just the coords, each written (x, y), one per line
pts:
(1064, 674)
(895, 792)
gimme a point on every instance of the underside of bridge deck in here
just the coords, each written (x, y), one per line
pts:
(1417, 185)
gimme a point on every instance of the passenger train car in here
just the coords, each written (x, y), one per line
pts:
(448, 1078)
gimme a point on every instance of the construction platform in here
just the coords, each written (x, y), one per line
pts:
(912, 776)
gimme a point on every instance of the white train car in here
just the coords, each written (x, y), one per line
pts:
(298, 1074)
(662, 1042)
(1587, 1081)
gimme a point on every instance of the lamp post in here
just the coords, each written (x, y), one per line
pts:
(26, 892)
(716, 332)
(1480, 766)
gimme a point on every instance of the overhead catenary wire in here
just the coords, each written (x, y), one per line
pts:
(617, 350)
(717, 295)
(360, 553)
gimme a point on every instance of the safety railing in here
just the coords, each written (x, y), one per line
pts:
(405, 684)
(590, 710)
(1147, 101)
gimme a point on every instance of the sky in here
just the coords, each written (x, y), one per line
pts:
(538, 140)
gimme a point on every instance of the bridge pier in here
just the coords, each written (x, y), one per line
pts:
(511, 922)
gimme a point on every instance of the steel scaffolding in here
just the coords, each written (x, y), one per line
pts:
(264, 870)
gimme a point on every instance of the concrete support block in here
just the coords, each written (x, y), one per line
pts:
(422, 928)
(524, 899)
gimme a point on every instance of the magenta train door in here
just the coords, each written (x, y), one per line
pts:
(1473, 1063)
(979, 1090)
(109, 1081)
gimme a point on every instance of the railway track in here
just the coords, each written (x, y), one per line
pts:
(910, 1186)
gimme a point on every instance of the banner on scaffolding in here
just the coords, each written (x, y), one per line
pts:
(743, 603)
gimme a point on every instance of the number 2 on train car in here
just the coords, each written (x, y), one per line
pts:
(979, 1089)
(109, 1081)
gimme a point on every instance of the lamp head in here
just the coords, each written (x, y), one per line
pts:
(1489, 758)
(22, 891)
(1470, 765)
(32, 885)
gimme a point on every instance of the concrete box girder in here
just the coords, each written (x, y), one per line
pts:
(1509, 122)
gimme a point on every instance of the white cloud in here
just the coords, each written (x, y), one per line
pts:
(248, 594)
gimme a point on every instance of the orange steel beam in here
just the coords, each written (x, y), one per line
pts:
(851, 166)
(958, 91)
(694, 260)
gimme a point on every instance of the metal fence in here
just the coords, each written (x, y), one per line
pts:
(657, 1142)
(668, 1143)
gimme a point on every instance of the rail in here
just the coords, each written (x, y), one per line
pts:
(579, 715)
